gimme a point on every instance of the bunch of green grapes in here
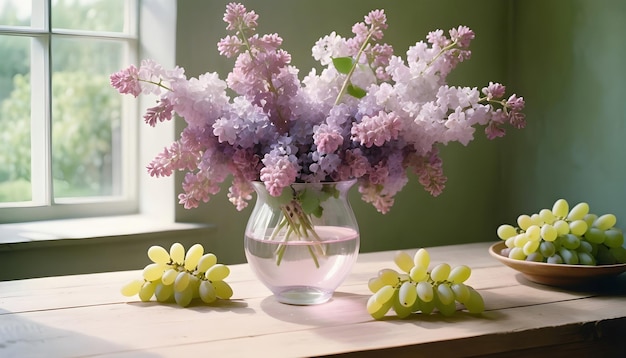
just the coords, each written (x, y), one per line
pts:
(180, 277)
(564, 236)
(417, 289)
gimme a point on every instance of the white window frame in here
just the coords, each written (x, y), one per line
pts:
(152, 32)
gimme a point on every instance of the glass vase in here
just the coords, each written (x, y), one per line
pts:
(303, 244)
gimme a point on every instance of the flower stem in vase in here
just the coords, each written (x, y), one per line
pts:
(296, 222)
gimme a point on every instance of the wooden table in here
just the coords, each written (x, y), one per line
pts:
(85, 315)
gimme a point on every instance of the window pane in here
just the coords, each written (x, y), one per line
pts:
(91, 15)
(86, 132)
(15, 12)
(15, 99)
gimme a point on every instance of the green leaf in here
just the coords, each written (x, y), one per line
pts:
(318, 212)
(309, 201)
(343, 64)
(356, 91)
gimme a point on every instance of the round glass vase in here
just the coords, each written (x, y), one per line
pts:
(302, 245)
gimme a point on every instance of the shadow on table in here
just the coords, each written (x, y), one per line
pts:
(21, 337)
(343, 308)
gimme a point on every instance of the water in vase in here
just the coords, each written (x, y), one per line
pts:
(306, 272)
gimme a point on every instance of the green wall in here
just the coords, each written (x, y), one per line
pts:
(568, 61)
(465, 212)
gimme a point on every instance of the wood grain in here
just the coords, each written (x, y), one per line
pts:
(85, 315)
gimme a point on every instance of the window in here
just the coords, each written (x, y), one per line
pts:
(68, 141)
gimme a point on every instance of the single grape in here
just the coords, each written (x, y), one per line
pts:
(578, 212)
(377, 310)
(194, 282)
(373, 305)
(560, 208)
(401, 310)
(517, 253)
(605, 222)
(536, 220)
(418, 273)
(407, 294)
(585, 246)
(158, 255)
(164, 293)
(530, 247)
(206, 261)
(506, 231)
(555, 259)
(389, 276)
(182, 281)
(475, 304)
(375, 284)
(548, 232)
(547, 216)
(425, 291)
(546, 248)
(192, 257)
(222, 289)
(206, 292)
(590, 219)
(510, 242)
(147, 290)
(505, 252)
(132, 288)
(440, 272)
(578, 227)
(614, 238)
(521, 240)
(421, 258)
(445, 293)
(446, 308)
(169, 276)
(427, 307)
(183, 298)
(217, 272)
(404, 261)
(570, 257)
(153, 272)
(384, 294)
(604, 256)
(177, 253)
(585, 258)
(533, 232)
(562, 227)
(524, 221)
(595, 235)
(570, 241)
(459, 274)
(461, 292)
(535, 256)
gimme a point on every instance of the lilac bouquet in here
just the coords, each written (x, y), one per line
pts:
(367, 115)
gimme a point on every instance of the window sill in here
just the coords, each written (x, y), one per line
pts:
(88, 245)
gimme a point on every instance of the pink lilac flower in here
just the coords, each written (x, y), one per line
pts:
(377, 129)
(176, 157)
(462, 35)
(430, 172)
(127, 81)
(238, 17)
(159, 113)
(494, 91)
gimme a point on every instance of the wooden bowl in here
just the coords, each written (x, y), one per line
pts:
(561, 275)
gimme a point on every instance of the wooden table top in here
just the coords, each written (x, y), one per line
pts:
(85, 315)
